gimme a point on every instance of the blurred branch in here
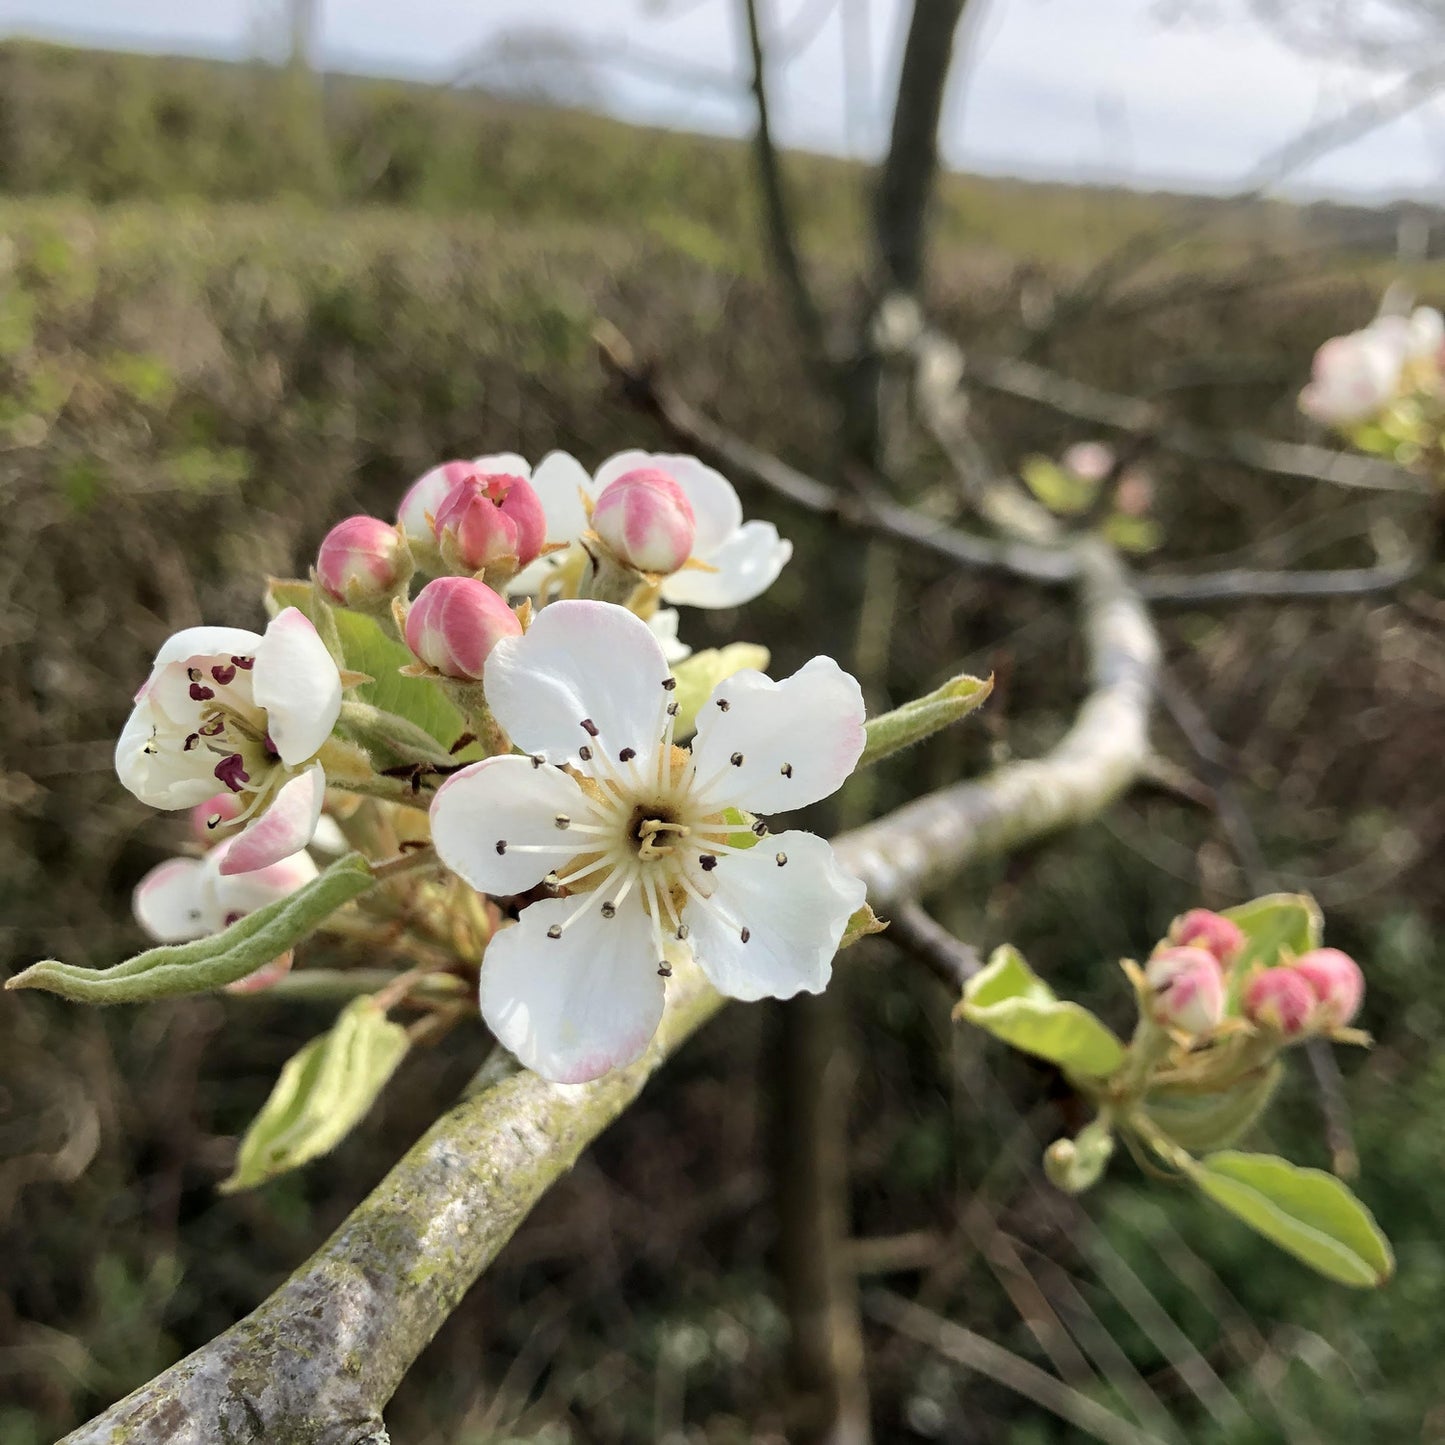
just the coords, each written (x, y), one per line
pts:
(319, 1359)
(1244, 585)
(1077, 399)
(782, 234)
(952, 961)
(906, 183)
(1005, 1368)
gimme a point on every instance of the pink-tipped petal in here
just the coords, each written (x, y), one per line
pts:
(743, 567)
(167, 902)
(1337, 982)
(283, 829)
(267, 976)
(296, 680)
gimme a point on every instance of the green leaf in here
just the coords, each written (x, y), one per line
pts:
(367, 648)
(699, 674)
(1059, 490)
(208, 963)
(1009, 1000)
(1138, 535)
(1308, 1213)
(924, 716)
(1198, 1121)
(323, 1092)
(860, 925)
(1277, 921)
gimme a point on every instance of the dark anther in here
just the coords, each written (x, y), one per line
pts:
(786, 770)
(663, 971)
(626, 755)
(668, 683)
(501, 845)
(723, 704)
(609, 910)
(223, 675)
(244, 663)
(214, 821)
(562, 821)
(760, 828)
(747, 933)
(538, 760)
(201, 694)
(194, 673)
(585, 753)
(682, 930)
(231, 770)
(191, 742)
(672, 709)
(708, 861)
(555, 931)
(736, 760)
(589, 727)
(212, 729)
(466, 740)
(780, 859)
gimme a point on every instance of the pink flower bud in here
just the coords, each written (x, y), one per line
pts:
(646, 520)
(362, 561)
(454, 624)
(1337, 984)
(488, 518)
(1280, 999)
(1201, 928)
(1188, 989)
(417, 514)
(1089, 461)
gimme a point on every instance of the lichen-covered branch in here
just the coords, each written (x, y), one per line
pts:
(317, 1361)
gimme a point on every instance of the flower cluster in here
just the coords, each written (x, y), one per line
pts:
(597, 848)
(1383, 387)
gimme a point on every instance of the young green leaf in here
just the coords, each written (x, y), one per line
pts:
(208, 963)
(924, 716)
(1308, 1213)
(1276, 921)
(1008, 1000)
(699, 674)
(1198, 1121)
(860, 925)
(322, 1093)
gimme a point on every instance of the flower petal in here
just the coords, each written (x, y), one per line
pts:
(507, 463)
(206, 642)
(167, 777)
(715, 506)
(580, 662)
(296, 680)
(575, 1006)
(559, 481)
(284, 828)
(794, 914)
(769, 746)
(232, 896)
(167, 901)
(663, 624)
(746, 564)
(484, 815)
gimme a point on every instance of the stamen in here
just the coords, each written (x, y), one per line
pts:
(708, 861)
(780, 859)
(555, 931)
(562, 820)
(746, 934)
(589, 727)
(723, 704)
(760, 828)
(609, 910)
(194, 673)
(669, 684)
(626, 755)
(585, 753)
(568, 879)
(223, 674)
(231, 770)
(786, 770)
(191, 740)
(736, 760)
(501, 846)
(201, 694)
(244, 663)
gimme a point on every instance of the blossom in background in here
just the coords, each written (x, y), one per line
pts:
(243, 710)
(740, 560)
(641, 839)
(1356, 376)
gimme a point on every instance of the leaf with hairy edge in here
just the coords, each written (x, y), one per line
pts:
(924, 716)
(860, 925)
(322, 1093)
(699, 674)
(1308, 1213)
(208, 963)
(1197, 1121)
(366, 648)
(1009, 1000)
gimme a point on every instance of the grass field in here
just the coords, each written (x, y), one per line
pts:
(218, 334)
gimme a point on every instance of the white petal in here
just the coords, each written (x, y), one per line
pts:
(167, 901)
(328, 837)
(794, 914)
(576, 1006)
(167, 778)
(663, 624)
(507, 801)
(620, 463)
(207, 642)
(507, 463)
(560, 482)
(423, 498)
(745, 566)
(715, 505)
(779, 745)
(579, 661)
(230, 896)
(295, 679)
(284, 828)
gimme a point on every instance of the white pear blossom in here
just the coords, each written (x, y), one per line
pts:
(249, 711)
(740, 560)
(186, 898)
(1354, 377)
(640, 839)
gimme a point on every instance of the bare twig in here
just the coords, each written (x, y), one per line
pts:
(1005, 1368)
(913, 928)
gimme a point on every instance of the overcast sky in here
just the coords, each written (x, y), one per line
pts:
(1050, 88)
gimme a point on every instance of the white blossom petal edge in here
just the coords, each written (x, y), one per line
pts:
(641, 838)
(249, 711)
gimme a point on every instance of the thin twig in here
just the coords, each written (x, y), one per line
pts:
(914, 929)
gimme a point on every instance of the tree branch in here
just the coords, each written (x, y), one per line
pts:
(316, 1362)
